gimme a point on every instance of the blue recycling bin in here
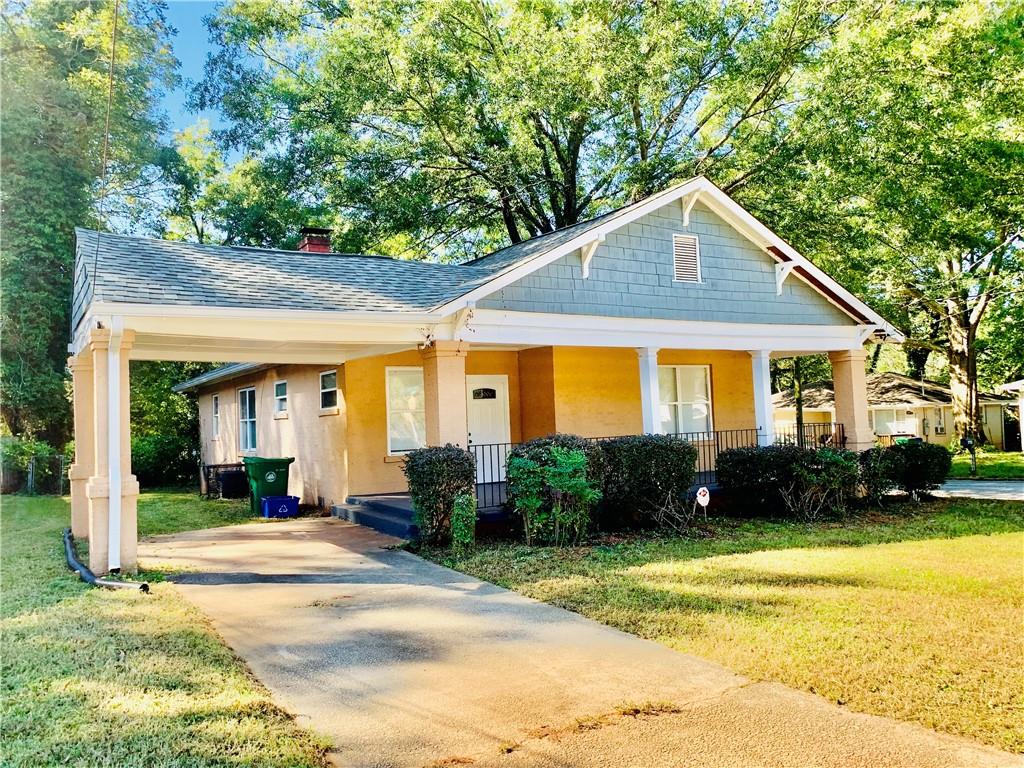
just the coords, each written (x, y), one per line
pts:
(279, 506)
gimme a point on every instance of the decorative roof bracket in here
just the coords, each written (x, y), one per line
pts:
(587, 254)
(781, 273)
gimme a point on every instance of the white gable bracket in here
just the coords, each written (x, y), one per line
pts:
(782, 271)
(691, 201)
(462, 318)
(588, 253)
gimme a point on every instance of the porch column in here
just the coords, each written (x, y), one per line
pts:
(82, 469)
(763, 412)
(650, 394)
(444, 389)
(111, 491)
(849, 382)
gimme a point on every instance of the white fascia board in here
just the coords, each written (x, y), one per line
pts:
(491, 326)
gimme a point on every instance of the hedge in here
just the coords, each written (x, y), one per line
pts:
(919, 467)
(647, 480)
(437, 477)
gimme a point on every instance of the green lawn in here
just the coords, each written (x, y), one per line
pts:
(994, 465)
(915, 614)
(102, 678)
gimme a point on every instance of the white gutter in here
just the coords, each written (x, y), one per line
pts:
(114, 444)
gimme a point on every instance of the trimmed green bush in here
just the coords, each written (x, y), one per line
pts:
(553, 487)
(437, 477)
(786, 479)
(877, 474)
(463, 523)
(646, 482)
(164, 460)
(919, 467)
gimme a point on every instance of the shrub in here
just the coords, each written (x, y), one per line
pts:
(647, 478)
(919, 467)
(17, 456)
(552, 487)
(822, 483)
(757, 474)
(463, 523)
(162, 460)
(804, 482)
(437, 476)
(877, 474)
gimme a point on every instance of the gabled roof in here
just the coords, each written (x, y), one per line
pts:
(134, 270)
(885, 390)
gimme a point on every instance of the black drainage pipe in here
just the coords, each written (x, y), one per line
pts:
(88, 576)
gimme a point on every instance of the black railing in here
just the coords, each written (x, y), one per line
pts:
(813, 435)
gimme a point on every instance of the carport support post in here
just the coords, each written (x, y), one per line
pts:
(82, 469)
(112, 456)
(849, 381)
(444, 389)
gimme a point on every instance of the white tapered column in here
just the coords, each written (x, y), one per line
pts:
(650, 396)
(763, 413)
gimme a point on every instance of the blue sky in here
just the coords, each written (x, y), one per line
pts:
(191, 44)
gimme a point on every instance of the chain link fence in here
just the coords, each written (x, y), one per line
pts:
(41, 475)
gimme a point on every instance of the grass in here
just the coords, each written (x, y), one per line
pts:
(991, 465)
(103, 678)
(915, 614)
(170, 510)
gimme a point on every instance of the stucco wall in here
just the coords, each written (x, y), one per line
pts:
(631, 276)
(316, 439)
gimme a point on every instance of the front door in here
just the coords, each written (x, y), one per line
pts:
(488, 421)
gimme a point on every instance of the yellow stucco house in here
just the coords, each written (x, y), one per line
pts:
(660, 317)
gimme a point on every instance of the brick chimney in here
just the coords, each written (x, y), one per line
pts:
(315, 240)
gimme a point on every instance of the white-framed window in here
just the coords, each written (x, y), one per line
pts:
(685, 392)
(216, 415)
(406, 409)
(247, 419)
(685, 259)
(280, 397)
(328, 389)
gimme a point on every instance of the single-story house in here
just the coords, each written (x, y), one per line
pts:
(659, 317)
(1015, 390)
(898, 406)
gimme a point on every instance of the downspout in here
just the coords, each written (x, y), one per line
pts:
(114, 444)
(88, 576)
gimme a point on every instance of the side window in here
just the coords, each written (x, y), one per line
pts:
(247, 419)
(328, 389)
(280, 397)
(216, 416)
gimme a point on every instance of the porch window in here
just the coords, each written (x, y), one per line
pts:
(280, 397)
(685, 392)
(247, 419)
(407, 427)
(216, 415)
(328, 389)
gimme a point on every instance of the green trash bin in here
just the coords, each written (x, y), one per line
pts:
(267, 477)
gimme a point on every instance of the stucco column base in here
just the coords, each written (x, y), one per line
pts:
(79, 477)
(129, 525)
(444, 389)
(849, 381)
(97, 491)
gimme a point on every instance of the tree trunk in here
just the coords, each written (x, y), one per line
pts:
(963, 381)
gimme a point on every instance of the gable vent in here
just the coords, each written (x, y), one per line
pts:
(686, 258)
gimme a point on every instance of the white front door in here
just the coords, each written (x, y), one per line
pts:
(488, 421)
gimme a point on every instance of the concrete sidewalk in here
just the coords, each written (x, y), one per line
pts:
(1005, 490)
(405, 663)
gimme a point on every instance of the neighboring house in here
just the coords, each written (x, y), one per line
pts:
(898, 406)
(658, 317)
(1015, 389)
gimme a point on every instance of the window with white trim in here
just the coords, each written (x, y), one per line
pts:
(406, 409)
(685, 259)
(685, 392)
(280, 397)
(247, 419)
(216, 415)
(328, 390)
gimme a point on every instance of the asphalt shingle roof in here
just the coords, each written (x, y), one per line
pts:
(884, 389)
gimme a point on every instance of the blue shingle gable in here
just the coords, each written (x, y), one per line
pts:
(631, 275)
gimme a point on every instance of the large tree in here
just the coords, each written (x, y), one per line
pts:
(911, 180)
(434, 124)
(54, 87)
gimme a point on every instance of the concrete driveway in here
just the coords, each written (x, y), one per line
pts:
(1006, 490)
(405, 663)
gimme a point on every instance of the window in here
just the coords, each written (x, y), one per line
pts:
(328, 389)
(247, 419)
(407, 427)
(280, 397)
(685, 392)
(685, 259)
(216, 415)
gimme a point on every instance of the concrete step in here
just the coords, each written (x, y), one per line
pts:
(391, 522)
